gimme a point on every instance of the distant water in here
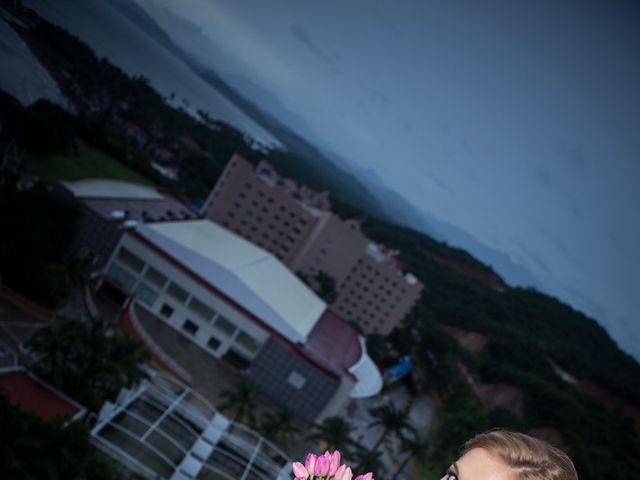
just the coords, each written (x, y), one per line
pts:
(114, 36)
(21, 73)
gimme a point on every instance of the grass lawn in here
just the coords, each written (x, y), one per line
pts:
(88, 163)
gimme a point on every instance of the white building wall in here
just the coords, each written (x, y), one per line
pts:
(181, 312)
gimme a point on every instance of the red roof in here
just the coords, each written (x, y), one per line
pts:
(31, 394)
(333, 344)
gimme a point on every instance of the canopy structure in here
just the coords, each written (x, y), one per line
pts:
(163, 429)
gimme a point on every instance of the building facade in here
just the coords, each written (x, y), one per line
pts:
(376, 293)
(240, 304)
(296, 224)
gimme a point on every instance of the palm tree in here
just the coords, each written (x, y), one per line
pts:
(335, 432)
(391, 419)
(370, 461)
(86, 360)
(412, 447)
(240, 403)
(277, 426)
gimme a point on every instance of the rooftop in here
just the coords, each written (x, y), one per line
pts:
(33, 395)
(107, 188)
(244, 272)
(138, 201)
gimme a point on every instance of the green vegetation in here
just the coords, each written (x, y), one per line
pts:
(240, 403)
(84, 161)
(32, 448)
(37, 227)
(87, 359)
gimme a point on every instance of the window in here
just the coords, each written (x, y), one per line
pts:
(224, 325)
(213, 343)
(199, 308)
(190, 327)
(247, 342)
(121, 277)
(177, 292)
(130, 260)
(146, 294)
(155, 277)
(296, 380)
(166, 311)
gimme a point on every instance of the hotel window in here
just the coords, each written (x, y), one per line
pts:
(146, 294)
(166, 311)
(190, 327)
(247, 342)
(121, 277)
(202, 310)
(224, 325)
(154, 277)
(296, 380)
(213, 343)
(177, 292)
(130, 260)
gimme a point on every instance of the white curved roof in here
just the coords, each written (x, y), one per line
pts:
(108, 188)
(246, 273)
(368, 377)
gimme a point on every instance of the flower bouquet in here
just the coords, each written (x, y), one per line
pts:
(325, 467)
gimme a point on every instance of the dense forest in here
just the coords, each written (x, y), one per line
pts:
(529, 334)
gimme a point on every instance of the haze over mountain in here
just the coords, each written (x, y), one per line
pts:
(514, 123)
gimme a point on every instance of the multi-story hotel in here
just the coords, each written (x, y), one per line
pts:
(296, 224)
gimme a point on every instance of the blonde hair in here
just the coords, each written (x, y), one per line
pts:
(530, 458)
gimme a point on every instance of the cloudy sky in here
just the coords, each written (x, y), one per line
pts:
(519, 122)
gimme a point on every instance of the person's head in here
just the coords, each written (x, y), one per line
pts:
(504, 455)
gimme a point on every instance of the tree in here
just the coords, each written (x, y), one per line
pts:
(87, 360)
(412, 447)
(33, 448)
(370, 461)
(391, 419)
(326, 286)
(240, 403)
(335, 432)
(277, 426)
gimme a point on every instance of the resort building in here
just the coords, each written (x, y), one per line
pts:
(376, 293)
(238, 303)
(269, 211)
(296, 225)
(112, 206)
(163, 429)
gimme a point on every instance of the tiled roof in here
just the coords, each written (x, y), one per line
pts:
(31, 394)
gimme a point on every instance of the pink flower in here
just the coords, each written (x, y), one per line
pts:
(366, 476)
(334, 462)
(322, 466)
(343, 473)
(299, 470)
(310, 463)
(300, 478)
